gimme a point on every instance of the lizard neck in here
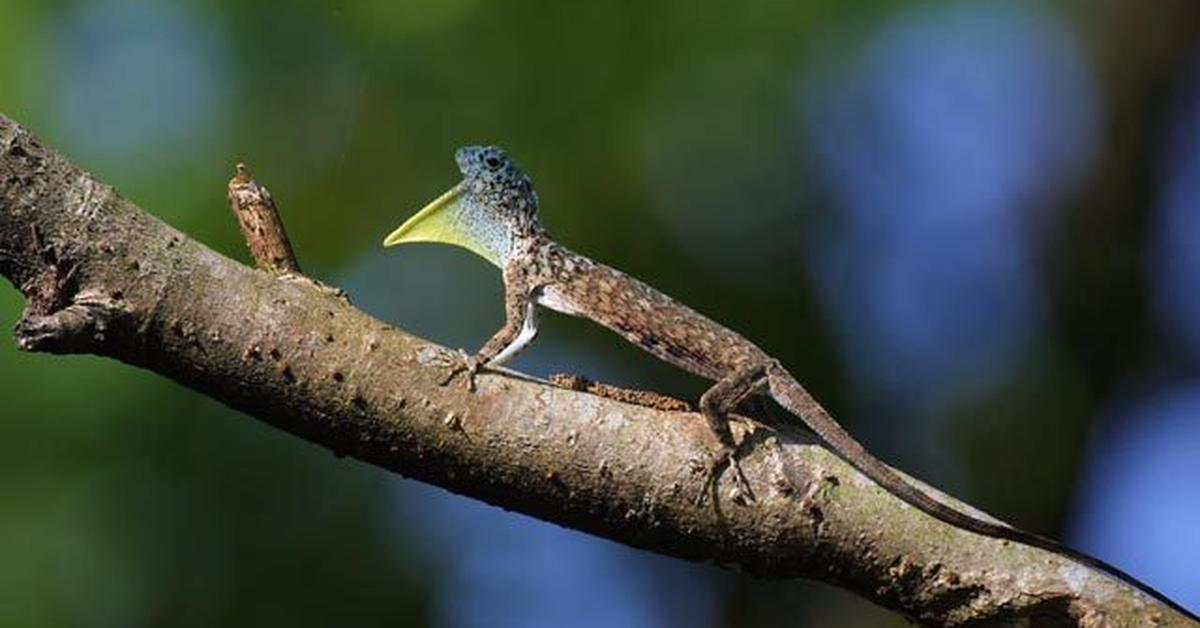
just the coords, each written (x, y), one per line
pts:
(527, 248)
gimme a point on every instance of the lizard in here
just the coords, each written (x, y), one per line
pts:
(493, 212)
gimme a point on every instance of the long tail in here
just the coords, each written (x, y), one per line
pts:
(792, 396)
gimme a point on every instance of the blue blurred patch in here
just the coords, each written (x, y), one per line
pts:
(1139, 504)
(957, 127)
(504, 569)
(137, 78)
(1175, 256)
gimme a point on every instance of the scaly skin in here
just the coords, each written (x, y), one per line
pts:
(494, 213)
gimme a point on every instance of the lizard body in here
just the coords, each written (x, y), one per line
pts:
(493, 212)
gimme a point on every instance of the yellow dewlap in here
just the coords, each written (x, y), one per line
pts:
(448, 220)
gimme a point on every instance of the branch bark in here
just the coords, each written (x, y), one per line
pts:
(102, 276)
(259, 220)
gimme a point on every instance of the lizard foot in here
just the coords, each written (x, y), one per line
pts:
(741, 489)
(455, 362)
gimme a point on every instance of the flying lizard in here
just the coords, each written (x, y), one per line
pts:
(493, 212)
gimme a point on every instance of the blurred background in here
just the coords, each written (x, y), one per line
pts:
(973, 229)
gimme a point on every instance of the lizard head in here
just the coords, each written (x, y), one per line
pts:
(488, 212)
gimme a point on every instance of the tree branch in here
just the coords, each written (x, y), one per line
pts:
(259, 220)
(101, 276)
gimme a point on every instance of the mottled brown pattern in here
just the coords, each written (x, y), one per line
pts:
(646, 398)
(668, 329)
(539, 270)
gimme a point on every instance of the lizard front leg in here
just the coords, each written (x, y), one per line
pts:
(715, 405)
(519, 329)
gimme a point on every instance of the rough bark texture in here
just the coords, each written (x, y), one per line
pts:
(102, 276)
(259, 220)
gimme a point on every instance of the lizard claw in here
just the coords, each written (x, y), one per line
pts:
(741, 490)
(456, 362)
(466, 364)
(741, 484)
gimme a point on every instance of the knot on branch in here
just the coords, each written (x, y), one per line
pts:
(80, 327)
(260, 223)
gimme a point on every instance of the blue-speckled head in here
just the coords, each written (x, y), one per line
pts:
(491, 179)
(490, 211)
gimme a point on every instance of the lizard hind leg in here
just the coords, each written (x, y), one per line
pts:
(715, 405)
